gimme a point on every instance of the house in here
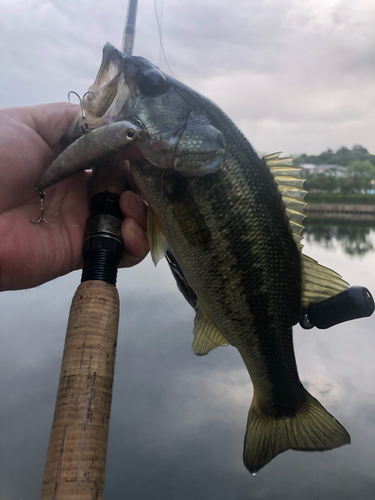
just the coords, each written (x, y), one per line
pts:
(328, 169)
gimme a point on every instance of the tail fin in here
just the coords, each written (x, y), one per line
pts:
(312, 428)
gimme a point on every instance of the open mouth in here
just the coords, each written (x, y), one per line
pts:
(106, 98)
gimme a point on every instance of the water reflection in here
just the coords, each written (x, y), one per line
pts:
(178, 421)
(354, 237)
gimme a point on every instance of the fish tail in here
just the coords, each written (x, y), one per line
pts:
(311, 428)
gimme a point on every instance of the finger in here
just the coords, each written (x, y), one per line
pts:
(50, 121)
(133, 185)
(132, 206)
(135, 243)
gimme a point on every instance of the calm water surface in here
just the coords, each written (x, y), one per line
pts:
(178, 421)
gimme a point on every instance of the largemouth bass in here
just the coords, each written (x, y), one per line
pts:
(232, 222)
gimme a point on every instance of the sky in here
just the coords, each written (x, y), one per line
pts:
(294, 76)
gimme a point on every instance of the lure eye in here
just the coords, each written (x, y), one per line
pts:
(153, 83)
(130, 134)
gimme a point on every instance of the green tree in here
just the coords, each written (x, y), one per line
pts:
(322, 182)
(360, 173)
(326, 157)
(298, 160)
(343, 156)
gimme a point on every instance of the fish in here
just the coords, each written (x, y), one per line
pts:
(231, 223)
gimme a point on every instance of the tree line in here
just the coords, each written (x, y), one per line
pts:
(357, 176)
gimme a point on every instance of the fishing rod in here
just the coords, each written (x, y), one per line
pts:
(127, 45)
(77, 451)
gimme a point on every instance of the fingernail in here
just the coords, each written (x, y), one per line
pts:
(136, 230)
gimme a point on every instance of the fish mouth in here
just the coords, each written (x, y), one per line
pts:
(99, 131)
(105, 101)
(109, 100)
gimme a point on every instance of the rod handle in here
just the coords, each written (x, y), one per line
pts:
(353, 303)
(76, 458)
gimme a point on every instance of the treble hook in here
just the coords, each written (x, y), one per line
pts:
(85, 122)
(42, 218)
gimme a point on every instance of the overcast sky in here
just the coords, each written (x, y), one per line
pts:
(294, 76)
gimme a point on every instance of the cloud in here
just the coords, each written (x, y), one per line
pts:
(294, 76)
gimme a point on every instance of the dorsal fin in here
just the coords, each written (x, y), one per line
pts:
(290, 183)
(318, 282)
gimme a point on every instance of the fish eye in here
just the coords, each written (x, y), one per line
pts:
(130, 134)
(153, 83)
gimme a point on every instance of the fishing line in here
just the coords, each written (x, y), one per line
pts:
(159, 23)
(161, 27)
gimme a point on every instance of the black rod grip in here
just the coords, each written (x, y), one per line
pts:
(353, 303)
(103, 246)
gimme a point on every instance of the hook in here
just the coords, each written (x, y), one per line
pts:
(85, 122)
(42, 218)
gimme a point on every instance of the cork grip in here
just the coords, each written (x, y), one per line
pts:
(75, 465)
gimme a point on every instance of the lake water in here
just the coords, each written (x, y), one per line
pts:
(178, 421)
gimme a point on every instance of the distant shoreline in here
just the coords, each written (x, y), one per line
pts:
(342, 211)
(339, 198)
(337, 205)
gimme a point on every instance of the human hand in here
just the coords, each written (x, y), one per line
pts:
(31, 254)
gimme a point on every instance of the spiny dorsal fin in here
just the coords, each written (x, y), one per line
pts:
(157, 241)
(206, 335)
(318, 282)
(290, 184)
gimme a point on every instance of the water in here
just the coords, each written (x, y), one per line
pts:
(178, 421)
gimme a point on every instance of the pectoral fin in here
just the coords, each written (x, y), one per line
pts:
(157, 241)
